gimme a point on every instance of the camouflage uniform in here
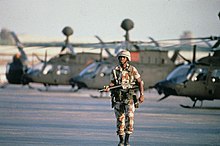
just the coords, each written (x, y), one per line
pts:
(122, 98)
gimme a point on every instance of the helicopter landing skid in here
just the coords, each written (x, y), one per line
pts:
(186, 106)
(192, 107)
(199, 107)
(52, 90)
(194, 104)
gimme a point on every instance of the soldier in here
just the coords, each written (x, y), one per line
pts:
(124, 98)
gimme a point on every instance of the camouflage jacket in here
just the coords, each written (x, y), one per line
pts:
(127, 78)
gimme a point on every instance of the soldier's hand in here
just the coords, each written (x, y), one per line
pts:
(106, 89)
(136, 105)
(141, 98)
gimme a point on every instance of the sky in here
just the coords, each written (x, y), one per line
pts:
(160, 19)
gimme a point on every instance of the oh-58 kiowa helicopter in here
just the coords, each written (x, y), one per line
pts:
(198, 80)
(61, 68)
(153, 64)
(56, 71)
(97, 74)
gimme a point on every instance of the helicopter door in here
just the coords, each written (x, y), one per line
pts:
(47, 69)
(103, 77)
(62, 74)
(197, 84)
(214, 83)
(47, 74)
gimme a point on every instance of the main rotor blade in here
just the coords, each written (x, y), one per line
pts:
(45, 57)
(216, 44)
(155, 42)
(45, 61)
(20, 47)
(38, 58)
(15, 37)
(194, 54)
(174, 57)
(104, 46)
(184, 58)
(207, 43)
(199, 38)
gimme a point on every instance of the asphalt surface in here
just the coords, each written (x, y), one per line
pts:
(65, 118)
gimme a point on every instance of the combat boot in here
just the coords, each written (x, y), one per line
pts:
(127, 140)
(121, 138)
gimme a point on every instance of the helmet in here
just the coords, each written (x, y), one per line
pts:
(125, 53)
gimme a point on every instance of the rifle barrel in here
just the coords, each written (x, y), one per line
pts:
(113, 87)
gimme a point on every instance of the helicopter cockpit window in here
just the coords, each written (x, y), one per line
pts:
(47, 69)
(215, 76)
(91, 69)
(38, 66)
(200, 74)
(180, 74)
(35, 69)
(106, 70)
(63, 70)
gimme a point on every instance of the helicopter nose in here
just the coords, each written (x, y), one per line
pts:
(26, 79)
(165, 87)
(74, 80)
(78, 80)
(159, 86)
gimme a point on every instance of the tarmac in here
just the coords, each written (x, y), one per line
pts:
(65, 118)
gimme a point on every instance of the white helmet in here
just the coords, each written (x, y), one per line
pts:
(125, 53)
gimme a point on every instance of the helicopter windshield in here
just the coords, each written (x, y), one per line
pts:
(63, 70)
(35, 68)
(91, 69)
(180, 74)
(48, 69)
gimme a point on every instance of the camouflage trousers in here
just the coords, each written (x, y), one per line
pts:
(124, 114)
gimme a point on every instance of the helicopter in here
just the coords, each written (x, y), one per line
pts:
(55, 71)
(60, 68)
(147, 61)
(198, 80)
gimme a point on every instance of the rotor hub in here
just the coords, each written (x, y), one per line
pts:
(67, 31)
(127, 24)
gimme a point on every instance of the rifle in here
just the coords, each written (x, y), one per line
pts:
(133, 85)
(110, 88)
(136, 102)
